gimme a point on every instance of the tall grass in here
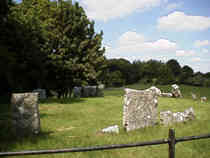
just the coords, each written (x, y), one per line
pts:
(76, 123)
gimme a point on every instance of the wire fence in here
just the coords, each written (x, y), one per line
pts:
(171, 141)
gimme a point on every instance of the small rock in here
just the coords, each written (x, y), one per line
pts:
(203, 99)
(194, 96)
(111, 129)
(167, 94)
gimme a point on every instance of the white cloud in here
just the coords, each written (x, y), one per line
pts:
(204, 50)
(173, 6)
(111, 9)
(196, 59)
(179, 21)
(184, 53)
(132, 46)
(131, 38)
(136, 43)
(201, 43)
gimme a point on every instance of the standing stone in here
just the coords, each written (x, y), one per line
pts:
(140, 109)
(203, 99)
(99, 91)
(194, 96)
(176, 91)
(90, 91)
(42, 93)
(25, 113)
(155, 90)
(77, 92)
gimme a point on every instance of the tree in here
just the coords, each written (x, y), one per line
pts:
(187, 72)
(76, 56)
(174, 66)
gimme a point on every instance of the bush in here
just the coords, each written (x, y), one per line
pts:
(207, 83)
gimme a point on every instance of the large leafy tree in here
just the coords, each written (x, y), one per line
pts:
(174, 66)
(75, 55)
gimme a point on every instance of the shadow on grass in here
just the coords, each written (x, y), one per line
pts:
(62, 101)
(9, 140)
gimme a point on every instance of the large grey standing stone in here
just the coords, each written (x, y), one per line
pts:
(42, 93)
(25, 113)
(77, 92)
(140, 109)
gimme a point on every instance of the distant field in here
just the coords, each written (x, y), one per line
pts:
(75, 123)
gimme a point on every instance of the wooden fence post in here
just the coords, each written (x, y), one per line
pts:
(171, 143)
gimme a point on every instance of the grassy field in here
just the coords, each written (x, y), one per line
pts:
(75, 123)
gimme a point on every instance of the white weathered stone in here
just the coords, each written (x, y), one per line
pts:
(111, 129)
(176, 91)
(155, 90)
(194, 96)
(166, 94)
(140, 109)
(101, 86)
(203, 99)
(167, 117)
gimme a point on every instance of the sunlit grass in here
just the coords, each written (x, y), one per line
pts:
(76, 123)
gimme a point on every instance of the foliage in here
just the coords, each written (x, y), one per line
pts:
(49, 45)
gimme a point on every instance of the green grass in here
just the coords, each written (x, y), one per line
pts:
(75, 123)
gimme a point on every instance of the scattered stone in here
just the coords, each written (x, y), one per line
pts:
(99, 91)
(111, 129)
(101, 86)
(167, 117)
(167, 94)
(194, 96)
(176, 91)
(25, 113)
(140, 109)
(42, 93)
(77, 92)
(203, 99)
(155, 90)
(92, 91)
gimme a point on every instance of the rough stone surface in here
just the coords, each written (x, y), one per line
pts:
(176, 91)
(77, 92)
(194, 96)
(167, 94)
(111, 129)
(25, 113)
(92, 91)
(203, 99)
(140, 109)
(42, 93)
(99, 91)
(101, 86)
(155, 90)
(168, 117)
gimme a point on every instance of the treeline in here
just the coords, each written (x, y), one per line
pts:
(120, 72)
(53, 45)
(47, 44)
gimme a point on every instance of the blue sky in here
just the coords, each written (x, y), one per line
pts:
(154, 29)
